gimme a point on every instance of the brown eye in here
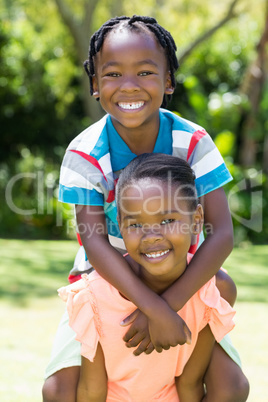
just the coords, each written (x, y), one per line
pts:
(166, 221)
(113, 75)
(145, 73)
(135, 225)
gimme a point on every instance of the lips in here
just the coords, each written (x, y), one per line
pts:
(130, 105)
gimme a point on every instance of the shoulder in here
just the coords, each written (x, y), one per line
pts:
(181, 124)
(89, 148)
(91, 139)
(93, 280)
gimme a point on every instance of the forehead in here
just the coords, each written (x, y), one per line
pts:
(126, 43)
(151, 196)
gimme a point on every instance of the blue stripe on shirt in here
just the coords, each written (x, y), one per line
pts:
(80, 196)
(213, 180)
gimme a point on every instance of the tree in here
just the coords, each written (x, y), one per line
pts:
(230, 14)
(253, 86)
(81, 29)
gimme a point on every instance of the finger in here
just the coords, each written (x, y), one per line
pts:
(135, 341)
(166, 347)
(159, 349)
(131, 332)
(150, 349)
(129, 319)
(142, 347)
(188, 336)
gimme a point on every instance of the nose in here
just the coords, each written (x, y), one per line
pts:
(152, 234)
(130, 84)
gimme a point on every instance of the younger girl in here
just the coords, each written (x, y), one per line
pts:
(158, 212)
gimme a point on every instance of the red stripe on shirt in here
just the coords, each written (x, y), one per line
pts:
(90, 159)
(94, 162)
(111, 196)
(79, 239)
(197, 135)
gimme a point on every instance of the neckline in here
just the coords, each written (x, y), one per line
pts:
(120, 152)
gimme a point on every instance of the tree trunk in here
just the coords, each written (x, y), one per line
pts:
(231, 13)
(81, 31)
(252, 86)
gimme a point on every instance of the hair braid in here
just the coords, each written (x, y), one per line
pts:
(136, 22)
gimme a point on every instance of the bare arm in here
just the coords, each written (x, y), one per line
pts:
(212, 253)
(189, 385)
(92, 385)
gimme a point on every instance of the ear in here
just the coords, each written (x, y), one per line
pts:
(95, 87)
(198, 220)
(169, 88)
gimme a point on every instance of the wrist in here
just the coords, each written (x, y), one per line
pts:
(159, 306)
(173, 300)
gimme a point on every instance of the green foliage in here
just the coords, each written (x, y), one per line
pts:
(42, 106)
(29, 199)
(39, 87)
(247, 196)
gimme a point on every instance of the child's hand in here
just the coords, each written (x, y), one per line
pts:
(148, 333)
(168, 329)
(138, 333)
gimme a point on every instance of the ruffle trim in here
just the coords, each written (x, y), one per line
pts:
(94, 305)
(218, 312)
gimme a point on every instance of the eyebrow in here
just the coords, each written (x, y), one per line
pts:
(173, 211)
(130, 217)
(139, 63)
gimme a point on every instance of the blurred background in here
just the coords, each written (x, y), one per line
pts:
(222, 84)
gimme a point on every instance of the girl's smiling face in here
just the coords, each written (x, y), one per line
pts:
(131, 78)
(157, 225)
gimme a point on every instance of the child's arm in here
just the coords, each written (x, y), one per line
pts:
(110, 264)
(92, 385)
(190, 384)
(212, 253)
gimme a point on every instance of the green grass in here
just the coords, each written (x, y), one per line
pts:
(248, 268)
(30, 309)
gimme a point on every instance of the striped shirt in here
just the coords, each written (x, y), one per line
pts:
(94, 159)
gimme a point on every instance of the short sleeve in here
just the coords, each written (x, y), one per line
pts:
(81, 317)
(218, 313)
(207, 163)
(192, 143)
(86, 175)
(81, 182)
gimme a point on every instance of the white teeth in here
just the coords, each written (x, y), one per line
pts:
(158, 254)
(131, 106)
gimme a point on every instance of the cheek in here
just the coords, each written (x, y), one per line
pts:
(178, 234)
(131, 239)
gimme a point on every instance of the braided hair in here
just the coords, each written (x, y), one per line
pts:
(136, 22)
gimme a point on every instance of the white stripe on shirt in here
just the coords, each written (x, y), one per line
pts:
(71, 178)
(203, 166)
(181, 139)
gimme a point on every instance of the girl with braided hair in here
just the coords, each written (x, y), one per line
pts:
(131, 67)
